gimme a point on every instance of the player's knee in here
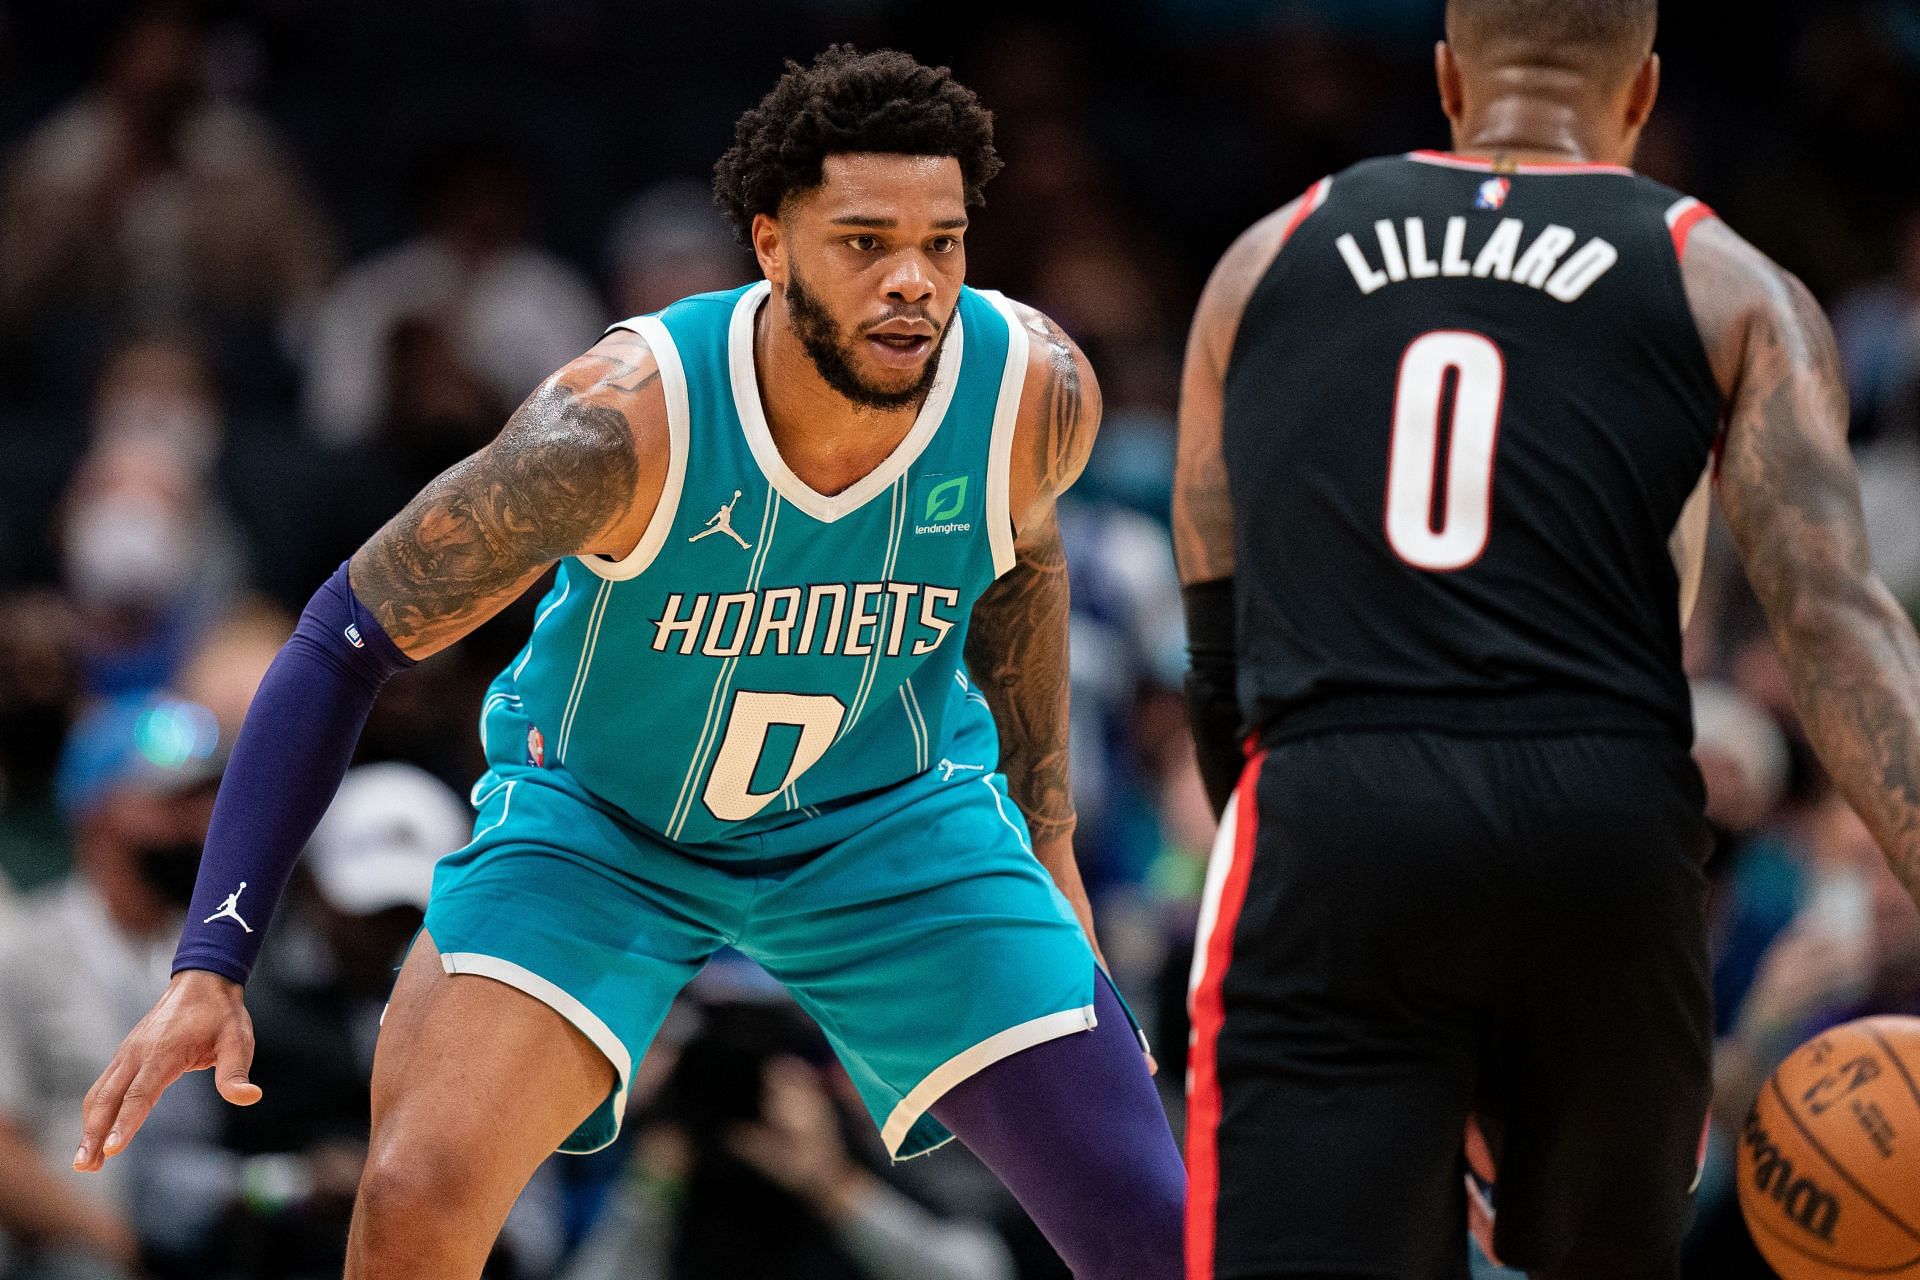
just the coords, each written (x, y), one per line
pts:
(406, 1187)
(1164, 1249)
(1150, 1243)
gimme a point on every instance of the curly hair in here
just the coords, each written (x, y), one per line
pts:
(848, 102)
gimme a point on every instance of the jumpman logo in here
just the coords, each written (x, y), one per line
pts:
(722, 522)
(230, 909)
(948, 768)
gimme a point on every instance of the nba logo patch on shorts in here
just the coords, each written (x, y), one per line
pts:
(536, 747)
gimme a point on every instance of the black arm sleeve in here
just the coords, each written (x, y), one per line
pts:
(1213, 700)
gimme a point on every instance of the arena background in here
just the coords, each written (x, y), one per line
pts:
(267, 265)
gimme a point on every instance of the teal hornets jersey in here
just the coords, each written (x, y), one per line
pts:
(767, 652)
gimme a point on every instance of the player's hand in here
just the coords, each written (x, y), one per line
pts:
(1804, 970)
(200, 1022)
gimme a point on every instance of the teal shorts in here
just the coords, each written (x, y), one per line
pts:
(922, 936)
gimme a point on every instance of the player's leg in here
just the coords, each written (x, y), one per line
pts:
(1336, 1018)
(1601, 1073)
(934, 950)
(474, 1085)
(1075, 1129)
(554, 945)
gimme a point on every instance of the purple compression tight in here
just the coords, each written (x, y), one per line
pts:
(1075, 1129)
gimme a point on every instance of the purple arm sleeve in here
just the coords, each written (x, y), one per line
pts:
(292, 752)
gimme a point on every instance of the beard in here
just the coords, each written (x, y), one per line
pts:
(833, 356)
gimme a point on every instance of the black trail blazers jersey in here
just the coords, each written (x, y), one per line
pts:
(1469, 429)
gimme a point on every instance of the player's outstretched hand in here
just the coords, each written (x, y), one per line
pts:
(200, 1022)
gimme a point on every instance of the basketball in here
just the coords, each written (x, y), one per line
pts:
(1829, 1162)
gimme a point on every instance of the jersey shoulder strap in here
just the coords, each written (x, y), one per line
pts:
(689, 344)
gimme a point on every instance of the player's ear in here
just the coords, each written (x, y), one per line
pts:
(1446, 70)
(1645, 92)
(769, 246)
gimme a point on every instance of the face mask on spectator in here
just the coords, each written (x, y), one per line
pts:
(127, 549)
(169, 870)
(188, 428)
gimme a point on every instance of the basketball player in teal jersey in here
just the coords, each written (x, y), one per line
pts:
(799, 688)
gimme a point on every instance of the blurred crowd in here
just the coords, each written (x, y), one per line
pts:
(266, 266)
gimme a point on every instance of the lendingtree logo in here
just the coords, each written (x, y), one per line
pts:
(947, 499)
(944, 504)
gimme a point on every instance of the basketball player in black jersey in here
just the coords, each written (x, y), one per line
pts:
(1451, 427)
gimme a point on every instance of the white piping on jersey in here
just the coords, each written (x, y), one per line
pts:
(506, 807)
(971, 693)
(926, 735)
(1006, 414)
(753, 418)
(872, 667)
(673, 381)
(710, 729)
(709, 726)
(475, 799)
(526, 654)
(1681, 209)
(917, 724)
(793, 801)
(588, 644)
(486, 709)
(888, 605)
(1000, 805)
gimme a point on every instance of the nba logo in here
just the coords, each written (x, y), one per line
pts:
(1493, 194)
(536, 748)
(352, 633)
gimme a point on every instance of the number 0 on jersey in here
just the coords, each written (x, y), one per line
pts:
(1456, 536)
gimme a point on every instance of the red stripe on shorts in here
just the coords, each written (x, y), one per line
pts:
(1209, 1013)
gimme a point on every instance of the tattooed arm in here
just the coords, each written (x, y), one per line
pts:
(1792, 497)
(577, 471)
(1203, 506)
(1017, 642)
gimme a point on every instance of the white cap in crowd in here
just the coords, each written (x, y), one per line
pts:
(377, 844)
(1730, 725)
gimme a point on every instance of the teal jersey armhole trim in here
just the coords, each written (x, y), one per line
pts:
(673, 383)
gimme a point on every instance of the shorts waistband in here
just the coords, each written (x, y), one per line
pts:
(1545, 713)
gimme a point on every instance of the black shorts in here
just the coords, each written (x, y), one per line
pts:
(1403, 931)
